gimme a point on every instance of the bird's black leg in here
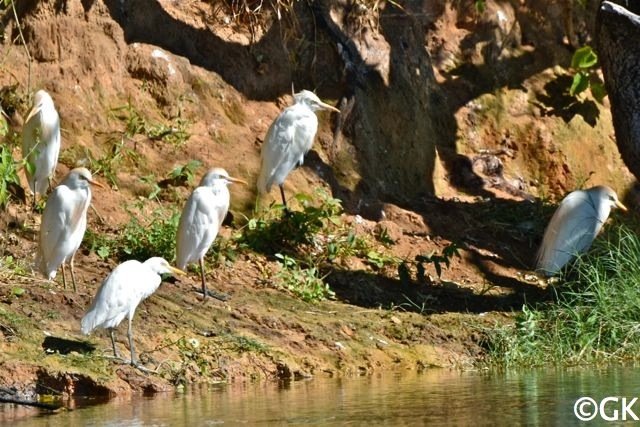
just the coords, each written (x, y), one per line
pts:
(284, 200)
(113, 343)
(64, 280)
(204, 283)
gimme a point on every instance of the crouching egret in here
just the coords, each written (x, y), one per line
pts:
(201, 219)
(289, 138)
(574, 226)
(64, 222)
(119, 295)
(41, 143)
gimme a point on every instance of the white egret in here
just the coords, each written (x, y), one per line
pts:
(41, 143)
(289, 138)
(64, 222)
(202, 218)
(119, 295)
(574, 226)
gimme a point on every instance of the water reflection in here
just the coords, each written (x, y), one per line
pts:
(436, 397)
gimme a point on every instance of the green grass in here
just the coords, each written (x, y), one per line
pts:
(594, 316)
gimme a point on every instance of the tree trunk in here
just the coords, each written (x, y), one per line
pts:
(618, 33)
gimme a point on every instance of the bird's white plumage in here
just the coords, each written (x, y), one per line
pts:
(288, 139)
(202, 217)
(574, 226)
(41, 141)
(64, 221)
(121, 292)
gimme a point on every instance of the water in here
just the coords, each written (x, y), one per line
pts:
(437, 397)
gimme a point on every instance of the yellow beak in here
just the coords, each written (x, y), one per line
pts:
(329, 107)
(97, 184)
(620, 206)
(237, 180)
(177, 271)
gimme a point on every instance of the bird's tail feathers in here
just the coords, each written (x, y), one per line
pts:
(88, 323)
(264, 184)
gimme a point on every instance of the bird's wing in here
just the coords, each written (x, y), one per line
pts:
(571, 231)
(57, 223)
(118, 296)
(199, 224)
(288, 139)
(30, 130)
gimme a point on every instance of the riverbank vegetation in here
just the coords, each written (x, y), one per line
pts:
(592, 315)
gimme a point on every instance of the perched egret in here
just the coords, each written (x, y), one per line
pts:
(574, 226)
(289, 138)
(41, 143)
(201, 219)
(119, 295)
(64, 222)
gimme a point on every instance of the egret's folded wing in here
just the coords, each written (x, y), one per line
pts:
(278, 142)
(115, 297)
(571, 230)
(199, 225)
(54, 227)
(31, 130)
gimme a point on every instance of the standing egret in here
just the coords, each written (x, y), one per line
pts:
(119, 295)
(574, 226)
(201, 219)
(64, 222)
(289, 138)
(41, 143)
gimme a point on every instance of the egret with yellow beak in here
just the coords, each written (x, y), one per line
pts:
(202, 218)
(289, 138)
(41, 143)
(64, 222)
(119, 295)
(574, 226)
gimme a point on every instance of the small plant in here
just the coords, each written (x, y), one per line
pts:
(184, 174)
(197, 359)
(150, 180)
(154, 237)
(419, 262)
(101, 244)
(480, 5)
(584, 63)
(242, 344)
(174, 133)
(12, 266)
(117, 156)
(305, 283)
(273, 232)
(8, 174)
(380, 260)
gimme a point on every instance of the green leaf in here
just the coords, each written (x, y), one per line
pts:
(580, 83)
(584, 57)
(30, 167)
(103, 252)
(598, 91)
(303, 198)
(17, 291)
